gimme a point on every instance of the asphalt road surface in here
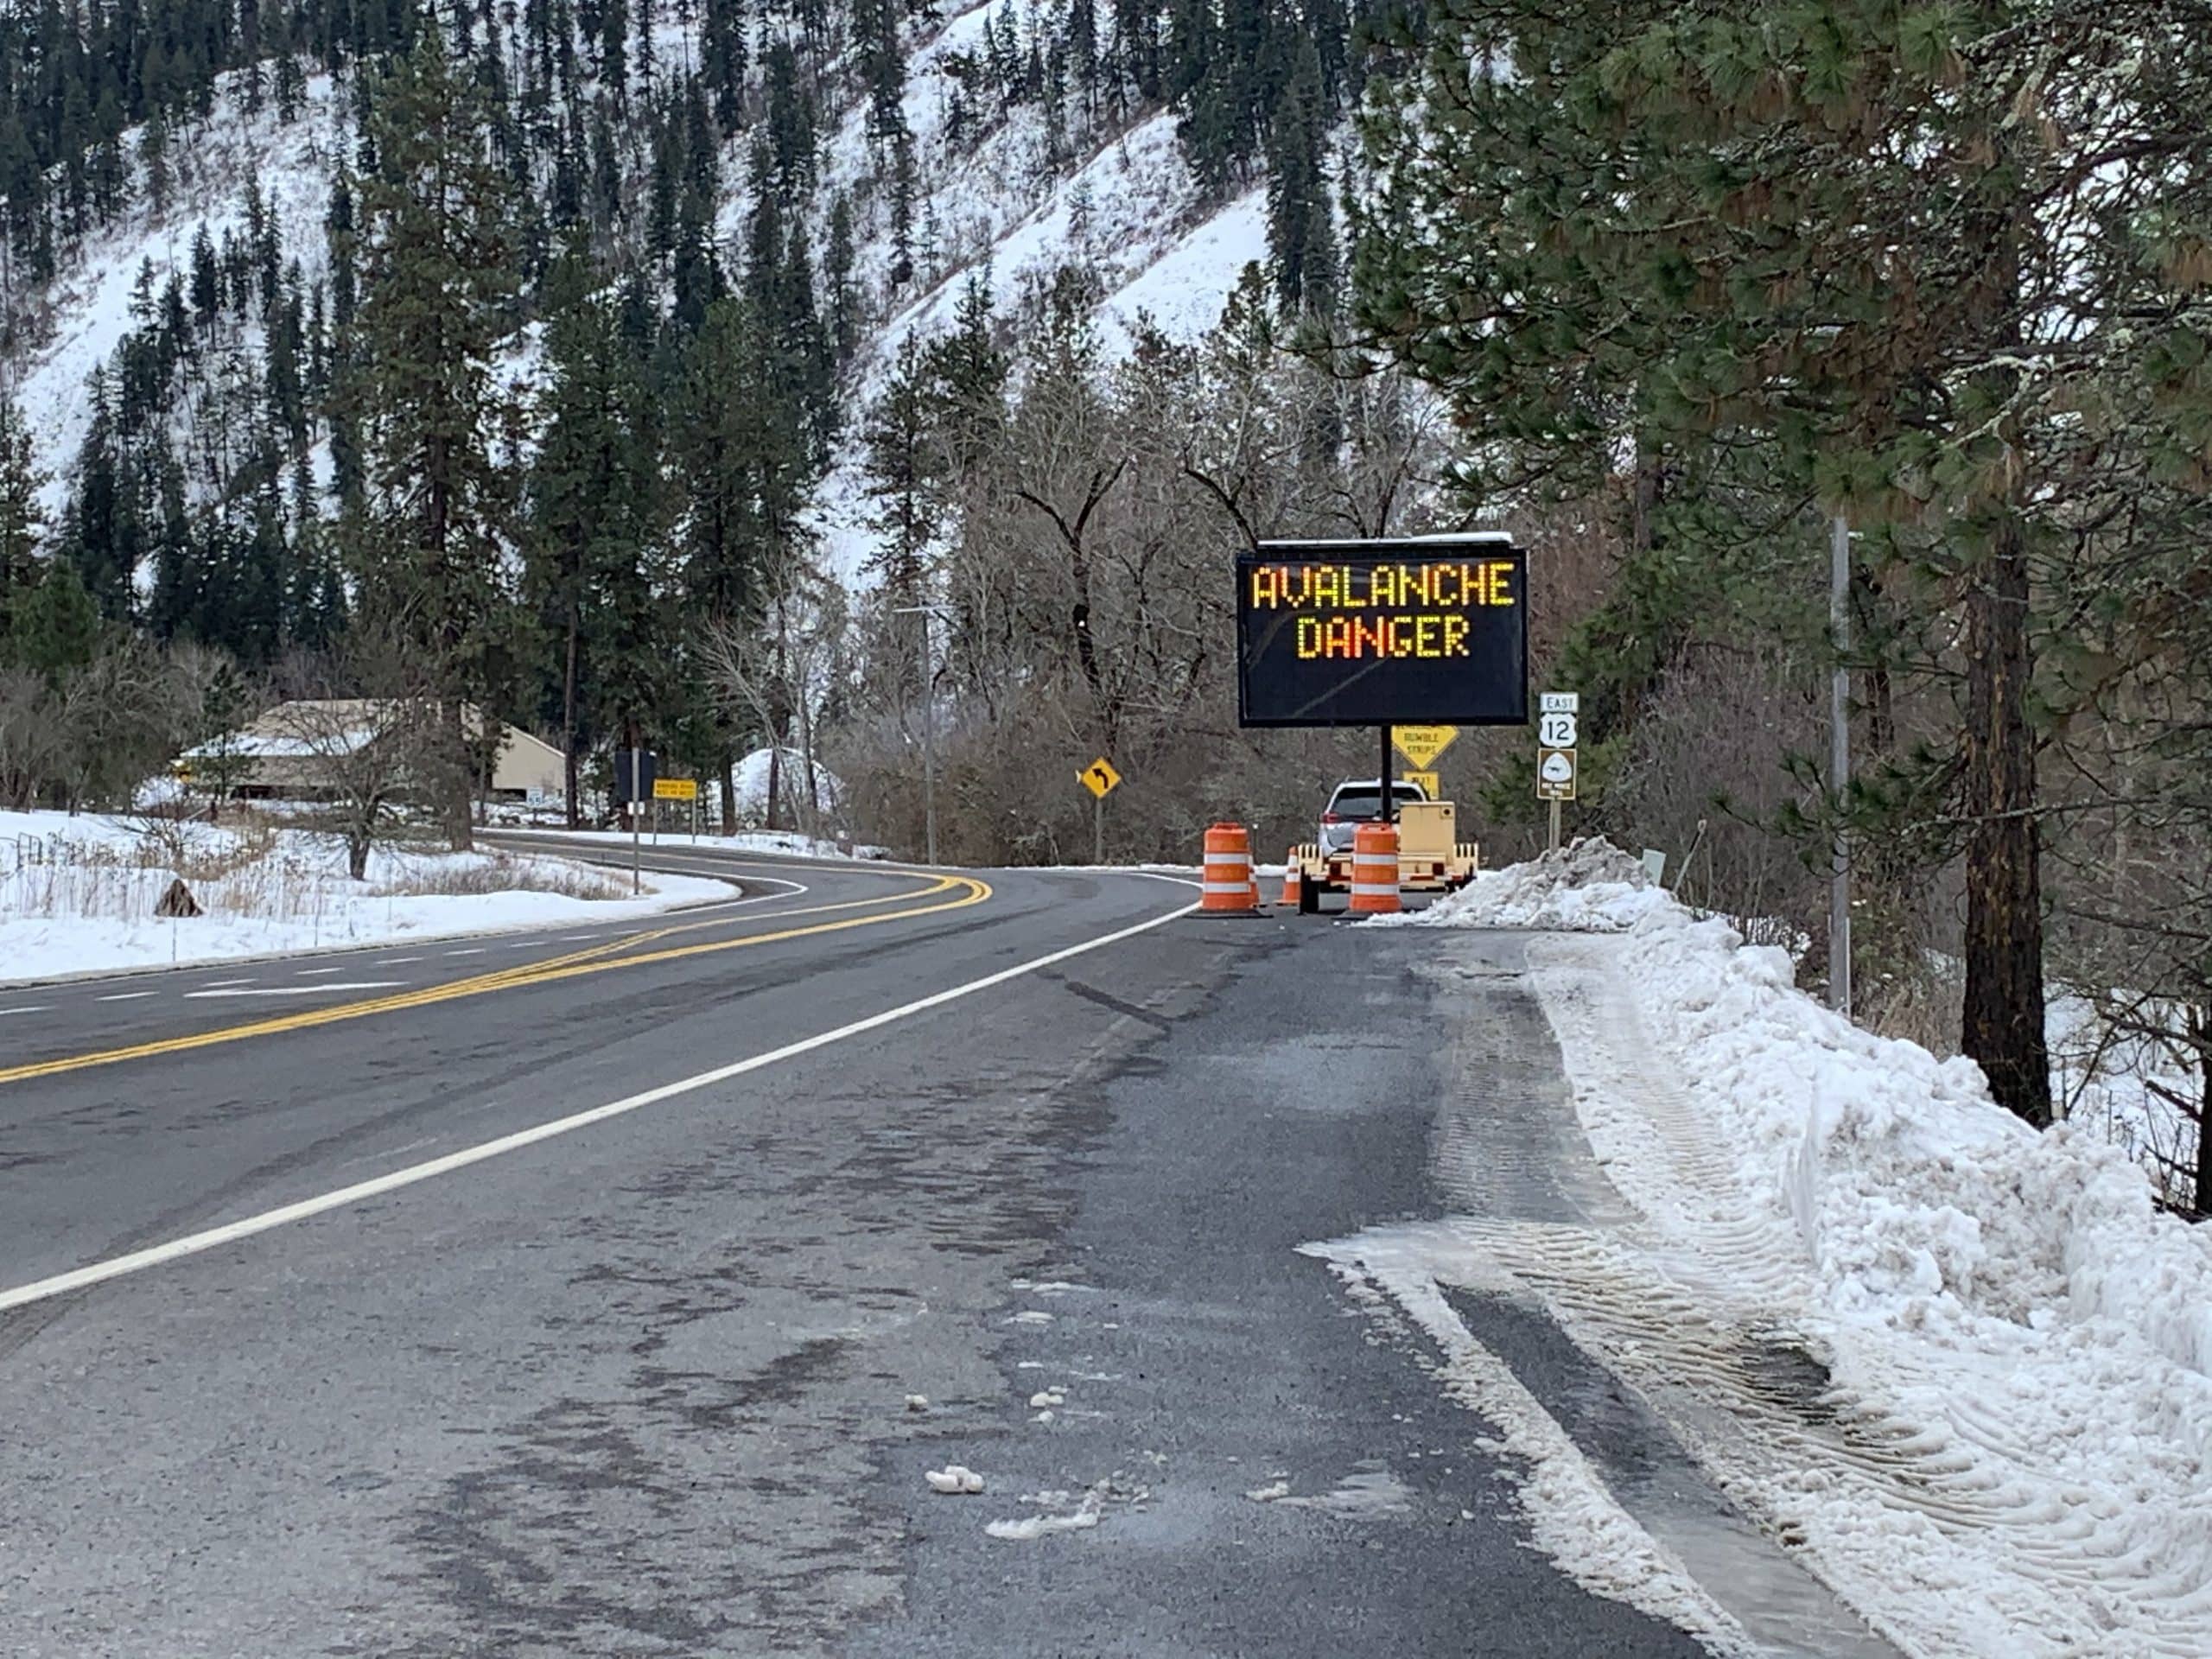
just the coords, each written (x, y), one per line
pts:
(613, 1291)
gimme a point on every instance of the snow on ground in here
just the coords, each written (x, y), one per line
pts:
(1182, 291)
(2127, 1085)
(1962, 1369)
(77, 894)
(749, 777)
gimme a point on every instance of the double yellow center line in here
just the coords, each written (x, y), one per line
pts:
(624, 952)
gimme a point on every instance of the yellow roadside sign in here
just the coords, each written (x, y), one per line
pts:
(1428, 782)
(1100, 778)
(676, 789)
(1421, 744)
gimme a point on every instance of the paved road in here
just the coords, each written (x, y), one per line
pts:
(649, 1385)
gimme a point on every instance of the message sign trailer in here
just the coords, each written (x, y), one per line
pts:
(1422, 629)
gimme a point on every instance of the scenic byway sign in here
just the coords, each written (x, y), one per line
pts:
(1555, 774)
(1428, 629)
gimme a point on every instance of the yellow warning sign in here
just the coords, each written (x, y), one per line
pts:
(1100, 778)
(1421, 745)
(1428, 782)
(676, 789)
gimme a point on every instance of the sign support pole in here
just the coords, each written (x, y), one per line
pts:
(1554, 835)
(1389, 808)
(1098, 829)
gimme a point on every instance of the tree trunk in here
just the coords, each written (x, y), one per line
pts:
(2003, 1029)
(813, 778)
(570, 771)
(357, 856)
(460, 833)
(729, 796)
(775, 771)
(2200, 1038)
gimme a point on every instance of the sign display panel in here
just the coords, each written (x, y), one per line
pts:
(1383, 633)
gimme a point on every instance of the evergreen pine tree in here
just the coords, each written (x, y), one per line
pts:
(1302, 229)
(56, 625)
(430, 547)
(598, 561)
(837, 275)
(22, 522)
(902, 467)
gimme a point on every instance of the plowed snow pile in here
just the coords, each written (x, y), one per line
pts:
(2007, 1451)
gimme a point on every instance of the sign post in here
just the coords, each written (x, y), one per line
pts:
(1101, 781)
(1421, 745)
(676, 789)
(1555, 758)
(635, 771)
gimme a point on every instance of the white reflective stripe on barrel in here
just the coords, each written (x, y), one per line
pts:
(1242, 889)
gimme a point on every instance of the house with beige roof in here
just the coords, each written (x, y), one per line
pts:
(291, 751)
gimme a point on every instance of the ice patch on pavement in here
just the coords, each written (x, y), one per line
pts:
(1054, 1518)
(1361, 1495)
(955, 1479)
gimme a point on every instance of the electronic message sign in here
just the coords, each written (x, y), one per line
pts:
(1383, 633)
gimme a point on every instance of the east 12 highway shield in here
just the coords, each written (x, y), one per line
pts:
(1434, 629)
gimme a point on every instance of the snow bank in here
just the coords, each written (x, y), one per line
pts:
(2008, 1453)
(1591, 886)
(77, 894)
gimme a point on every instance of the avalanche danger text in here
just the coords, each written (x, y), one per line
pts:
(1386, 632)
(1348, 611)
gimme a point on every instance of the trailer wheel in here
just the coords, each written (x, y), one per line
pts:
(1309, 898)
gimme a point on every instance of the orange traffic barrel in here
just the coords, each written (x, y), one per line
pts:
(1374, 870)
(1294, 880)
(1227, 885)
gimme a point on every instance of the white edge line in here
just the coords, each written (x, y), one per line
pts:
(156, 1256)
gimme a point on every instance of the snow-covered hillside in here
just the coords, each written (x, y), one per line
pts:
(1123, 204)
(90, 301)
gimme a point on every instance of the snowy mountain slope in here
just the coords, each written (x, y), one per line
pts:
(1123, 203)
(1126, 208)
(90, 298)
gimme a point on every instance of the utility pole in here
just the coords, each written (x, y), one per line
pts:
(922, 615)
(1840, 765)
